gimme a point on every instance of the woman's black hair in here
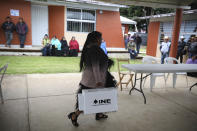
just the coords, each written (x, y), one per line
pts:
(92, 52)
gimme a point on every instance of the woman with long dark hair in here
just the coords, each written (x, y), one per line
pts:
(95, 64)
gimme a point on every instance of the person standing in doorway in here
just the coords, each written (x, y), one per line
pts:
(21, 29)
(8, 27)
(165, 48)
(180, 50)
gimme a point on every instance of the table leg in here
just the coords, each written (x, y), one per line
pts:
(174, 79)
(133, 86)
(192, 86)
(139, 90)
(1, 95)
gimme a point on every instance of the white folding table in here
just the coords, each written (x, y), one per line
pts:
(157, 68)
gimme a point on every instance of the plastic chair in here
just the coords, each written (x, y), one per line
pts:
(152, 60)
(172, 60)
(123, 74)
(2, 72)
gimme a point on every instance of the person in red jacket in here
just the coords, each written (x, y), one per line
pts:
(74, 47)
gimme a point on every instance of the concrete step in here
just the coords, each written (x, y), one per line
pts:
(5, 53)
(36, 51)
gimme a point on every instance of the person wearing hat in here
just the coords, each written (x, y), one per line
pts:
(165, 48)
(8, 27)
(181, 49)
(131, 48)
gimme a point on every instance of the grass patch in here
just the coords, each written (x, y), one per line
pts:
(40, 64)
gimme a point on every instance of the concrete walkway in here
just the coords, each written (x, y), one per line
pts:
(41, 102)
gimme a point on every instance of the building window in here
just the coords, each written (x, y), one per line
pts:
(81, 20)
(188, 29)
(165, 30)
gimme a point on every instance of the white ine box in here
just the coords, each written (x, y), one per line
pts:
(98, 100)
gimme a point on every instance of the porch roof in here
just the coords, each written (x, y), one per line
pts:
(155, 3)
(188, 12)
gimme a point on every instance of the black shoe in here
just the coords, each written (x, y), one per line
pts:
(101, 116)
(74, 122)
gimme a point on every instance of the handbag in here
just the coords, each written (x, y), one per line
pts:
(110, 80)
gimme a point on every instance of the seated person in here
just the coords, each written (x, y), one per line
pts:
(56, 46)
(64, 47)
(131, 48)
(74, 47)
(46, 46)
(193, 60)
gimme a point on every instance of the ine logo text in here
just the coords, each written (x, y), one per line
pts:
(102, 102)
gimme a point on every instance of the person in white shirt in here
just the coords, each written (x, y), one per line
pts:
(165, 49)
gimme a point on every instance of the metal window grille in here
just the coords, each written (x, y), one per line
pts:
(80, 20)
(188, 28)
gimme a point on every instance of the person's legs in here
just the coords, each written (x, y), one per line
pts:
(178, 55)
(125, 45)
(138, 48)
(19, 36)
(181, 58)
(100, 116)
(75, 53)
(74, 115)
(6, 37)
(129, 50)
(162, 58)
(22, 40)
(133, 54)
(48, 50)
(10, 37)
(44, 51)
(53, 50)
(71, 53)
(164, 55)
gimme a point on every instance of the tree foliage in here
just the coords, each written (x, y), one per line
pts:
(139, 11)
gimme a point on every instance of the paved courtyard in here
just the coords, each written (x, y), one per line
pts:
(41, 102)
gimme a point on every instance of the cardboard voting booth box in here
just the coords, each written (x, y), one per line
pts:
(98, 100)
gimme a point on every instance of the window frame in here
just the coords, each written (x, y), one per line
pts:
(81, 21)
